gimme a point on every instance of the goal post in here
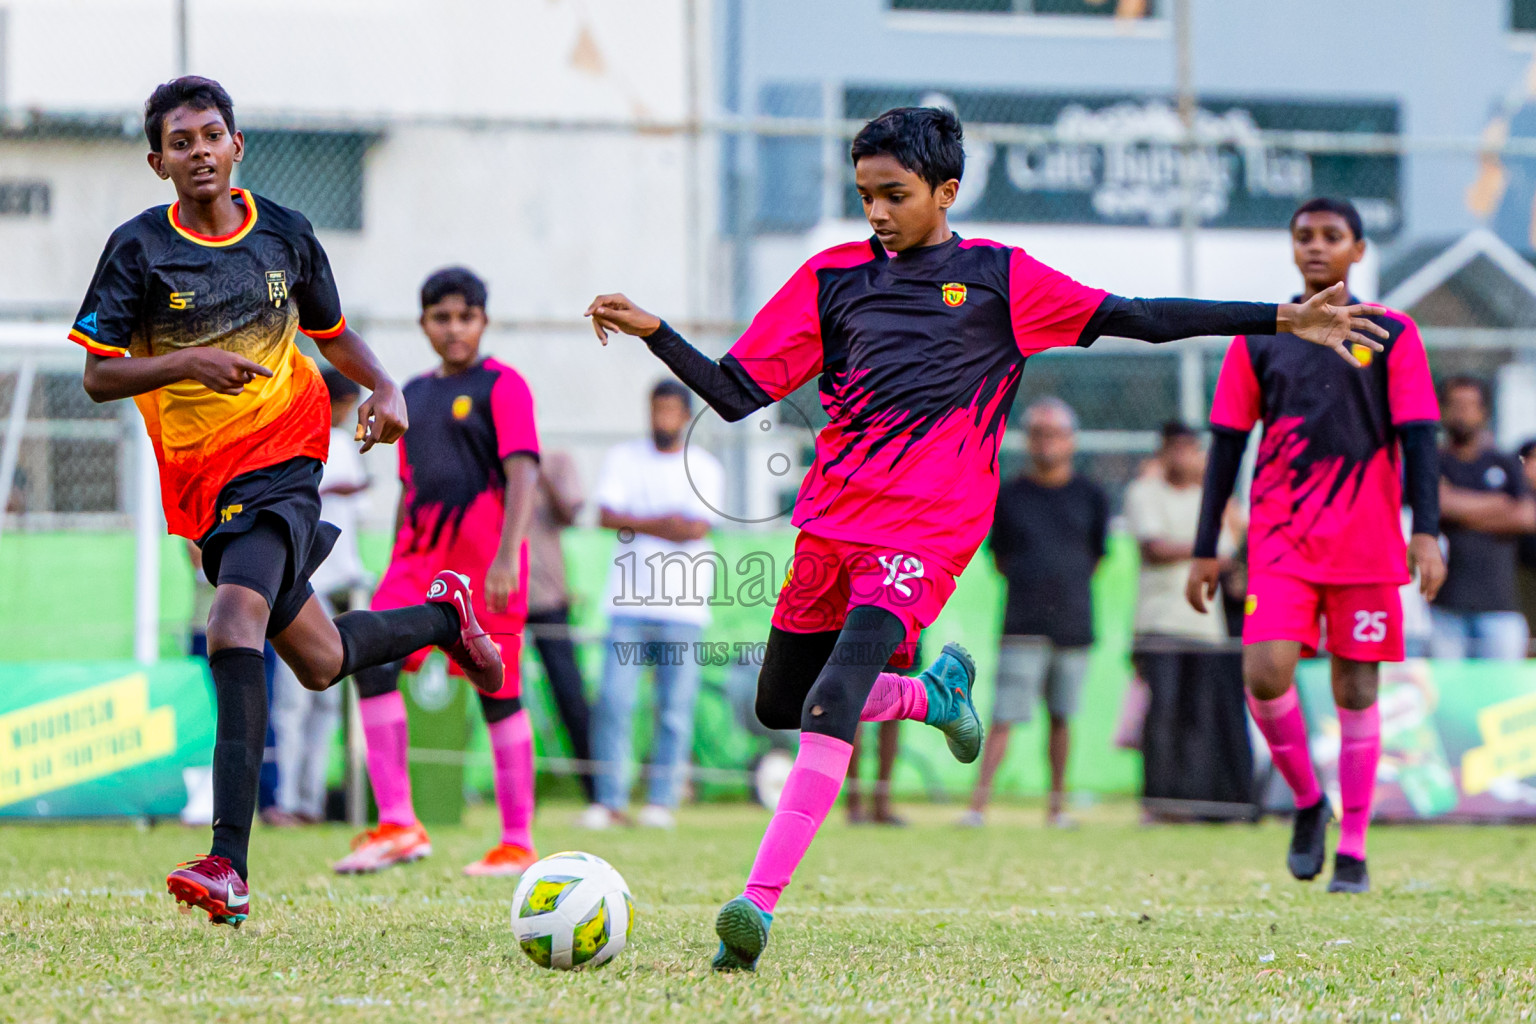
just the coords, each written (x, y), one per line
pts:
(28, 351)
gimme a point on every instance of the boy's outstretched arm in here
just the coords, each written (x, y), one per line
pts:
(108, 378)
(1318, 320)
(381, 419)
(732, 394)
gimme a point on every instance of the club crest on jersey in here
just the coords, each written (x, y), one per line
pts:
(277, 287)
(954, 294)
(1251, 604)
(462, 406)
(1362, 352)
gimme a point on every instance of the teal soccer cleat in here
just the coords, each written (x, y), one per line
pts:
(948, 681)
(743, 931)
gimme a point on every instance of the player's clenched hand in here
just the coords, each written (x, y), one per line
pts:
(616, 313)
(381, 419)
(501, 582)
(1200, 590)
(1321, 322)
(1424, 557)
(223, 371)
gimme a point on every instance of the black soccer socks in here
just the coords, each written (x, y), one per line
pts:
(240, 685)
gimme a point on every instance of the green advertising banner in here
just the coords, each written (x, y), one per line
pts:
(95, 739)
(1458, 739)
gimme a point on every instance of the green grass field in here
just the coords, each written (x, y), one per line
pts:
(1113, 922)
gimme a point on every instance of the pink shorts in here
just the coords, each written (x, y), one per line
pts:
(1364, 620)
(828, 577)
(406, 581)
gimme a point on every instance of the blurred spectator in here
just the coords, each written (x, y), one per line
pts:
(1048, 535)
(305, 721)
(1162, 511)
(1485, 506)
(661, 501)
(556, 502)
(1526, 575)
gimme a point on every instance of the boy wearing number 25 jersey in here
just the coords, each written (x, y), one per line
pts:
(1325, 544)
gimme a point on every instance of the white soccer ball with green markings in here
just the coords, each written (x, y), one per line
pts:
(572, 910)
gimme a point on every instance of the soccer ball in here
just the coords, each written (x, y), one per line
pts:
(572, 910)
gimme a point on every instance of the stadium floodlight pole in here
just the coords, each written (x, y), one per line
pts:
(1191, 366)
(1186, 88)
(182, 61)
(148, 528)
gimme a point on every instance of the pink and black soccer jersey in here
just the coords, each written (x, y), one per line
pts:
(451, 460)
(1327, 488)
(919, 356)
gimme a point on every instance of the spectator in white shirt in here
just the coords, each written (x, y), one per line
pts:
(661, 500)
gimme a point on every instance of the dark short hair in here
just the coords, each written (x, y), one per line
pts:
(1175, 430)
(460, 281)
(1475, 383)
(340, 386)
(928, 141)
(1527, 448)
(1343, 207)
(669, 388)
(186, 91)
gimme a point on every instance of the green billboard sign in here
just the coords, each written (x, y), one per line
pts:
(94, 739)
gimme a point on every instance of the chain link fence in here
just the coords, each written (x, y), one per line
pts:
(1095, 187)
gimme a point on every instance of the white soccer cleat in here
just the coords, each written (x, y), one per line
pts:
(596, 817)
(656, 816)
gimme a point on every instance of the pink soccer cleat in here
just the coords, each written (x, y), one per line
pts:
(474, 652)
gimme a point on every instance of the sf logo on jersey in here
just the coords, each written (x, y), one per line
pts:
(277, 287)
(899, 569)
(954, 294)
(183, 300)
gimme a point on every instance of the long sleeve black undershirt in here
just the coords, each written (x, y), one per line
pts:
(725, 385)
(1160, 320)
(1421, 472)
(1221, 466)
(1421, 490)
(731, 392)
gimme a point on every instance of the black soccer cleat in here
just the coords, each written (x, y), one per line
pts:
(1349, 875)
(1309, 836)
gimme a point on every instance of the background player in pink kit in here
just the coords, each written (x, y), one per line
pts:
(919, 338)
(1324, 538)
(468, 474)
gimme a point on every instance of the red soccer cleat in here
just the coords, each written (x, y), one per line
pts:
(211, 883)
(474, 652)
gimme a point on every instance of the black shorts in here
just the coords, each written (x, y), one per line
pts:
(277, 512)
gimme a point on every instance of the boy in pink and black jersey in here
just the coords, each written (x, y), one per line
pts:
(919, 338)
(1325, 544)
(467, 477)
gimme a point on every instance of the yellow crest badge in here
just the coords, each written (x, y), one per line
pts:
(954, 294)
(1362, 353)
(1251, 605)
(277, 287)
(462, 406)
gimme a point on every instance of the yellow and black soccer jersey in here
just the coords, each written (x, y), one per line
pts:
(161, 287)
